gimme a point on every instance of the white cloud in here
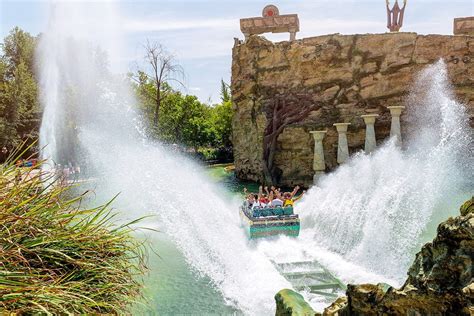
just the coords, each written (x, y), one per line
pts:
(174, 24)
(328, 26)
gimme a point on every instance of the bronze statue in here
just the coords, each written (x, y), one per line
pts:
(395, 16)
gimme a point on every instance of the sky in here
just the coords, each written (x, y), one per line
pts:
(200, 33)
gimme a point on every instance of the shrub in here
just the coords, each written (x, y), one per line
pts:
(58, 258)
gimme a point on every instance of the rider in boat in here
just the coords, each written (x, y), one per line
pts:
(273, 198)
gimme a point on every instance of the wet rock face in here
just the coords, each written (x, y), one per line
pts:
(349, 75)
(440, 281)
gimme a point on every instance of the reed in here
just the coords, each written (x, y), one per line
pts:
(57, 257)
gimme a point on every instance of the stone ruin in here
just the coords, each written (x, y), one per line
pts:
(302, 107)
(271, 22)
(347, 76)
(464, 26)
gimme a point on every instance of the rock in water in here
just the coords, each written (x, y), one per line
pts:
(440, 280)
(290, 302)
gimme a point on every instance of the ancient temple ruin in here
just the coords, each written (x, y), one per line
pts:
(290, 97)
(271, 22)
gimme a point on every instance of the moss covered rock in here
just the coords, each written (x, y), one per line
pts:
(292, 303)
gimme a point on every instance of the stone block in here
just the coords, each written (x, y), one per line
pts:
(463, 26)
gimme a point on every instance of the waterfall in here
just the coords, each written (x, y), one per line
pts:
(376, 209)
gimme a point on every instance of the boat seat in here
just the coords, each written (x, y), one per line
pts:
(275, 211)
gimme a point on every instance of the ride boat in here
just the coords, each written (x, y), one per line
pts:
(266, 222)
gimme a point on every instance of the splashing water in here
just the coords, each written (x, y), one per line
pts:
(363, 221)
(150, 178)
(374, 210)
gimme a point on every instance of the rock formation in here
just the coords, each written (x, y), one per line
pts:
(440, 280)
(291, 303)
(344, 76)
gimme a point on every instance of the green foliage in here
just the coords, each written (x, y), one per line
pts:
(184, 120)
(225, 92)
(19, 105)
(57, 258)
(221, 120)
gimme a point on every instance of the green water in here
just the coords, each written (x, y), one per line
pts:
(172, 288)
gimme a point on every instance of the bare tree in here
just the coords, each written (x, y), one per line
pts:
(163, 70)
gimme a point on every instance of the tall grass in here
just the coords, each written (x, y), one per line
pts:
(58, 258)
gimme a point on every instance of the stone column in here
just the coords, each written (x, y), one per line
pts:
(319, 165)
(342, 147)
(395, 131)
(292, 35)
(370, 142)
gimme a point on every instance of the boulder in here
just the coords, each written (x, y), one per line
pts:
(290, 302)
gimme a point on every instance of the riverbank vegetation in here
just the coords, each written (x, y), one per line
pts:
(198, 128)
(59, 258)
(19, 103)
(201, 128)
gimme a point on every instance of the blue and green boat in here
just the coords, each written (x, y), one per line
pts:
(266, 222)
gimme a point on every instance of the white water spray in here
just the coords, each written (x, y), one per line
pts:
(151, 179)
(374, 210)
(365, 220)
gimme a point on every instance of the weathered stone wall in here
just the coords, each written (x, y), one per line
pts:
(349, 75)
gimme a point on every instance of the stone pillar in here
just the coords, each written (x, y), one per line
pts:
(319, 165)
(370, 142)
(342, 147)
(395, 130)
(292, 35)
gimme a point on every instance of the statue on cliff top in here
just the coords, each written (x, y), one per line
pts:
(395, 16)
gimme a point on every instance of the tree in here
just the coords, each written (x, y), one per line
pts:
(282, 111)
(225, 92)
(221, 121)
(19, 106)
(183, 119)
(163, 71)
(18, 47)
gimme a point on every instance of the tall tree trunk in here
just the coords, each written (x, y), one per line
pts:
(157, 108)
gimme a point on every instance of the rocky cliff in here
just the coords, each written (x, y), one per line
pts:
(346, 76)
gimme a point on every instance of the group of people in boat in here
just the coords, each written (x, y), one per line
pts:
(272, 198)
